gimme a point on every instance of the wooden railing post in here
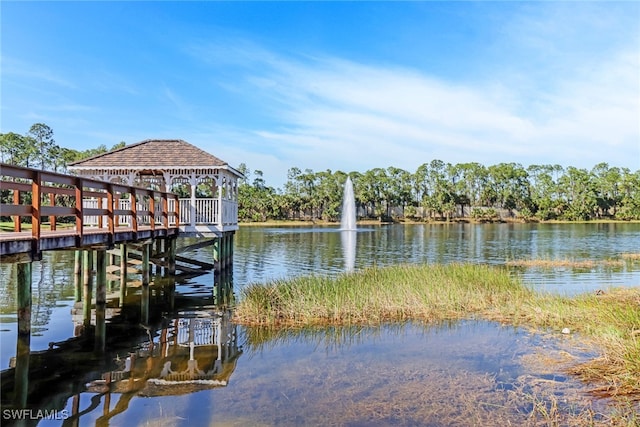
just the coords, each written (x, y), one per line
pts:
(165, 210)
(79, 212)
(152, 211)
(99, 206)
(134, 210)
(116, 203)
(36, 201)
(52, 218)
(17, 220)
(176, 210)
(110, 208)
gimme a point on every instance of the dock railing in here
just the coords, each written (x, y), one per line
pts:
(207, 211)
(58, 202)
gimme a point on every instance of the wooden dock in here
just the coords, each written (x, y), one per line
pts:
(54, 207)
(52, 211)
(119, 235)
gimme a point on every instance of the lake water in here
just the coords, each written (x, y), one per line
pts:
(265, 253)
(461, 373)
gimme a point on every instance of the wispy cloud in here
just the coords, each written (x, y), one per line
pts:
(330, 109)
(537, 82)
(105, 80)
(12, 67)
(177, 104)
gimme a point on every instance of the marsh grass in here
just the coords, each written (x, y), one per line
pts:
(374, 295)
(436, 293)
(567, 263)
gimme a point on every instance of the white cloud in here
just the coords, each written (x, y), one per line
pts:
(21, 70)
(336, 114)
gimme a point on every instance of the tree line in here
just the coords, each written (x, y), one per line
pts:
(38, 149)
(445, 191)
(435, 190)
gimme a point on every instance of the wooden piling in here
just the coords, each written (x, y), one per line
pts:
(24, 298)
(170, 287)
(23, 344)
(21, 377)
(75, 409)
(159, 250)
(87, 268)
(107, 397)
(216, 289)
(216, 253)
(144, 303)
(172, 256)
(228, 250)
(123, 273)
(223, 288)
(77, 276)
(223, 251)
(101, 300)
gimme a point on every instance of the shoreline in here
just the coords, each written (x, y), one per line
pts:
(369, 222)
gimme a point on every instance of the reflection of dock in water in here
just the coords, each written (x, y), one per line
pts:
(195, 351)
(176, 354)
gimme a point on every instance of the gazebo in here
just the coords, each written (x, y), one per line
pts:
(207, 185)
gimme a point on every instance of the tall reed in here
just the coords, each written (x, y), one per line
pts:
(426, 292)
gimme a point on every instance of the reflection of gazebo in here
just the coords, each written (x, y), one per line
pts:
(197, 351)
(208, 185)
(196, 354)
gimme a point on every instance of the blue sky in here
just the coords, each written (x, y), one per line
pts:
(332, 85)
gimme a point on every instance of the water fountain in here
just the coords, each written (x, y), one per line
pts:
(348, 220)
(348, 226)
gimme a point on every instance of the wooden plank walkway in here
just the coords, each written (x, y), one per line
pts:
(43, 195)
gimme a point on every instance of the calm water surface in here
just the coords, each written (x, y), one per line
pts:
(265, 253)
(408, 374)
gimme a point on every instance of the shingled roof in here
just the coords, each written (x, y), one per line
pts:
(153, 154)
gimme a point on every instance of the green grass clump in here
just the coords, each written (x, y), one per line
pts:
(400, 292)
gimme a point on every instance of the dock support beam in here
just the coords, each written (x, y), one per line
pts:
(172, 256)
(123, 273)
(23, 347)
(87, 269)
(170, 288)
(159, 251)
(77, 276)
(24, 298)
(144, 303)
(101, 300)
(216, 252)
(223, 251)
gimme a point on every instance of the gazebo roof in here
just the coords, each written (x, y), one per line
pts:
(153, 154)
